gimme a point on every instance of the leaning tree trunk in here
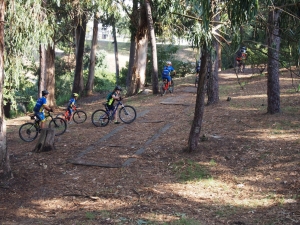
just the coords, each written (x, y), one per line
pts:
(213, 79)
(199, 108)
(155, 87)
(273, 62)
(4, 156)
(78, 77)
(50, 75)
(90, 82)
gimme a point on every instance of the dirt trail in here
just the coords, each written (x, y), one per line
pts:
(249, 162)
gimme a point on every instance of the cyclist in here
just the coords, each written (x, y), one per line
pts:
(168, 72)
(39, 107)
(240, 56)
(111, 97)
(72, 102)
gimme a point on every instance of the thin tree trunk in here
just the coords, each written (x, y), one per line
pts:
(90, 82)
(43, 74)
(213, 79)
(78, 78)
(155, 87)
(132, 56)
(273, 62)
(116, 53)
(4, 156)
(199, 108)
(50, 75)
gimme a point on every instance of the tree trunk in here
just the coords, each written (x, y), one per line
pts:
(213, 81)
(199, 108)
(155, 86)
(138, 78)
(43, 74)
(46, 141)
(132, 56)
(273, 62)
(90, 82)
(4, 156)
(116, 53)
(78, 77)
(50, 75)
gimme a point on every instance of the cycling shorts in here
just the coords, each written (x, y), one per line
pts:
(167, 77)
(40, 116)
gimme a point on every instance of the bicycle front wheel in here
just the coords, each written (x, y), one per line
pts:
(59, 125)
(28, 132)
(127, 114)
(79, 116)
(100, 118)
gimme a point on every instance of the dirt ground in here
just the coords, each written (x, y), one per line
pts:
(245, 171)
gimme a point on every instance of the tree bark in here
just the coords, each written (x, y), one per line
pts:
(116, 52)
(199, 108)
(155, 86)
(42, 75)
(4, 156)
(46, 141)
(273, 91)
(213, 79)
(90, 82)
(50, 74)
(78, 77)
(138, 78)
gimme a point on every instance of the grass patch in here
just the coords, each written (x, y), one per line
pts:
(191, 171)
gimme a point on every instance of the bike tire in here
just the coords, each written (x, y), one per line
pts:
(28, 132)
(127, 114)
(162, 90)
(100, 118)
(171, 88)
(79, 116)
(59, 125)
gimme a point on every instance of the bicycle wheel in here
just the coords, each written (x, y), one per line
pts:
(79, 116)
(28, 132)
(171, 88)
(59, 125)
(100, 118)
(127, 114)
(162, 90)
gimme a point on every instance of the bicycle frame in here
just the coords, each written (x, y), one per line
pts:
(111, 113)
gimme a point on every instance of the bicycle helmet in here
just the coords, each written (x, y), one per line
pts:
(169, 63)
(45, 92)
(243, 49)
(118, 88)
(75, 94)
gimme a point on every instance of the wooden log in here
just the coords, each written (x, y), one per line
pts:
(46, 141)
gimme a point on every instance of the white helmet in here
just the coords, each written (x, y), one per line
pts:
(169, 63)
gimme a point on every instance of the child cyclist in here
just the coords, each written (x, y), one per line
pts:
(72, 102)
(39, 107)
(114, 95)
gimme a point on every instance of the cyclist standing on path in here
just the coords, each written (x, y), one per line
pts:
(114, 95)
(72, 102)
(39, 107)
(241, 55)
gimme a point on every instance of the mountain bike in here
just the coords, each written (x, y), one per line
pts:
(78, 116)
(165, 87)
(29, 131)
(239, 67)
(127, 114)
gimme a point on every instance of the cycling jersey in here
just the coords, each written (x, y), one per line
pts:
(39, 106)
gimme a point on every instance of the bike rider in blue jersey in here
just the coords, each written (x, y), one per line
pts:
(111, 97)
(72, 102)
(167, 72)
(39, 107)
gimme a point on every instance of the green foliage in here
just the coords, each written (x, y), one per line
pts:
(257, 55)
